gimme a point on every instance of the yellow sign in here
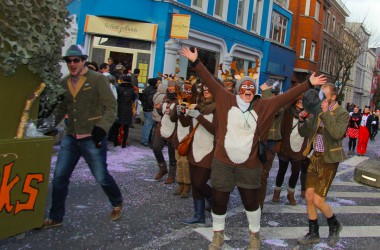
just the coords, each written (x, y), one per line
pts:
(180, 26)
(121, 28)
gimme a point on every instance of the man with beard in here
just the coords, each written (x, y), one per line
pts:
(324, 129)
(241, 126)
(91, 109)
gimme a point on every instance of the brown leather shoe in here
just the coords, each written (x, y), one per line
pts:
(169, 180)
(217, 241)
(179, 189)
(50, 223)
(186, 191)
(276, 195)
(116, 212)
(291, 199)
(160, 174)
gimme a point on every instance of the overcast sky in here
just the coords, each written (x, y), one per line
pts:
(369, 11)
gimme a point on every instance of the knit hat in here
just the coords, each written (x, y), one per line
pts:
(311, 102)
(75, 50)
(246, 80)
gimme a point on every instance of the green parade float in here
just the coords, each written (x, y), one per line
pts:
(31, 38)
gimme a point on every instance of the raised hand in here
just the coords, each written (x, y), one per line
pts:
(317, 80)
(192, 56)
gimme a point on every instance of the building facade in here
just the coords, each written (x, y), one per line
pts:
(306, 37)
(137, 34)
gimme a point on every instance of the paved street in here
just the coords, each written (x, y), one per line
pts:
(152, 215)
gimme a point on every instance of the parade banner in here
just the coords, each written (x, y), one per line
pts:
(180, 26)
(24, 179)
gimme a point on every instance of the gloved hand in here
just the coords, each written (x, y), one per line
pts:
(97, 136)
(193, 113)
(47, 125)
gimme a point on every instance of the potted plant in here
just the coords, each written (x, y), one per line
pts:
(31, 38)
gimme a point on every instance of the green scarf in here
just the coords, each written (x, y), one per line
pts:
(206, 107)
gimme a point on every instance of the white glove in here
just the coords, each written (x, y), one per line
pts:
(374, 122)
(193, 113)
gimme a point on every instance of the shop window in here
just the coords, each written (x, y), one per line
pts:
(243, 64)
(209, 60)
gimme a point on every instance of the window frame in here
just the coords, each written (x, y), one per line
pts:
(245, 14)
(257, 16)
(307, 8)
(224, 10)
(282, 28)
(204, 5)
(317, 10)
(312, 51)
(303, 47)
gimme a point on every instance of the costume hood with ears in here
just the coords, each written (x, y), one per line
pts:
(252, 76)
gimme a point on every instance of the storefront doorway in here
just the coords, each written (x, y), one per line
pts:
(131, 53)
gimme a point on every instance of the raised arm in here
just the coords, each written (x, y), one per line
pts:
(215, 88)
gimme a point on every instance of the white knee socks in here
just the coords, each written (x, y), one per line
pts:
(254, 218)
(218, 222)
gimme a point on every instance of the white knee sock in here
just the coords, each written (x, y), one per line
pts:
(218, 222)
(254, 220)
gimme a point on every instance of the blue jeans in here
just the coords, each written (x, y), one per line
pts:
(96, 158)
(147, 127)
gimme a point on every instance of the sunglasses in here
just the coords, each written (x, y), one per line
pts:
(75, 60)
(205, 88)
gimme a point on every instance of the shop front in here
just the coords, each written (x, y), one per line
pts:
(127, 42)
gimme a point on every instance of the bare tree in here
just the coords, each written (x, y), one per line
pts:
(348, 45)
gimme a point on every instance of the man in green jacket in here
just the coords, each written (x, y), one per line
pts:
(324, 129)
(90, 107)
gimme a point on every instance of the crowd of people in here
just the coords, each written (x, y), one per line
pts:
(220, 134)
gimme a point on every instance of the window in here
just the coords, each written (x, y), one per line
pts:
(256, 16)
(317, 7)
(307, 8)
(312, 51)
(278, 27)
(333, 24)
(218, 8)
(327, 22)
(303, 48)
(221, 7)
(200, 5)
(242, 10)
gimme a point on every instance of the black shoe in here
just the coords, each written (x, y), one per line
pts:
(199, 215)
(333, 237)
(312, 236)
